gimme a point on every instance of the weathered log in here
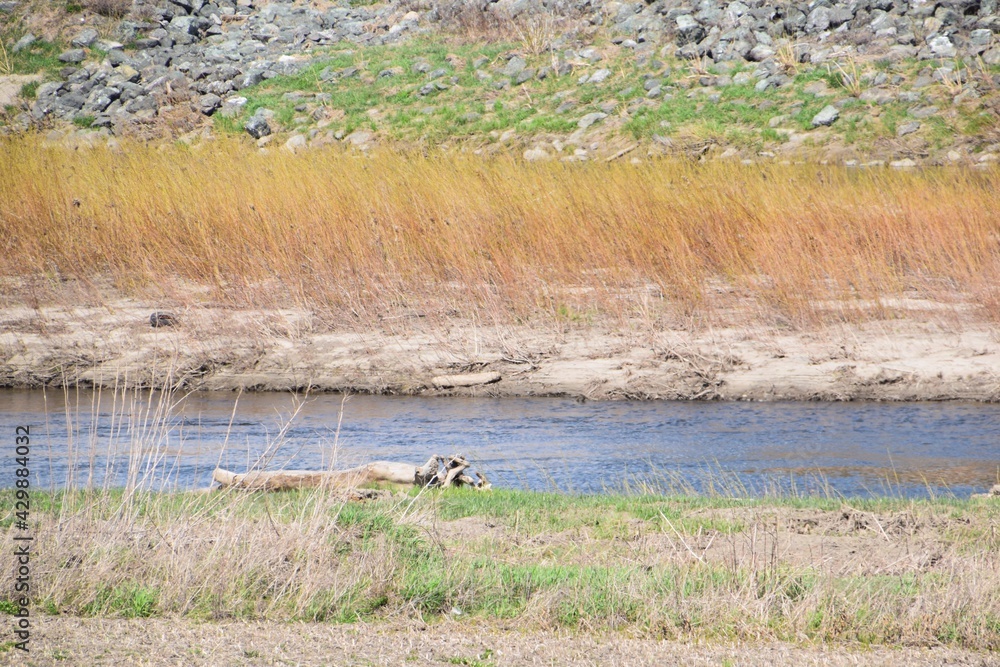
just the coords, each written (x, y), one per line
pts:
(406, 474)
(992, 493)
(466, 380)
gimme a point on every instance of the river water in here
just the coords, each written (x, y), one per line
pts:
(82, 438)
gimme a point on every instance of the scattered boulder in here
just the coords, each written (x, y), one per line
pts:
(208, 104)
(73, 56)
(25, 42)
(590, 118)
(827, 116)
(296, 143)
(257, 127)
(536, 155)
(85, 38)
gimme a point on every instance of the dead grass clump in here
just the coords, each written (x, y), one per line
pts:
(115, 9)
(394, 230)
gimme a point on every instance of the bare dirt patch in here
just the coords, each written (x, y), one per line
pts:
(162, 642)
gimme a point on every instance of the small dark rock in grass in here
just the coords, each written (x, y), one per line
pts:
(257, 127)
(162, 319)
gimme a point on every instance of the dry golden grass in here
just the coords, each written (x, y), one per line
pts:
(329, 229)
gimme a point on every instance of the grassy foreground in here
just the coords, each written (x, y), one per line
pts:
(446, 231)
(883, 571)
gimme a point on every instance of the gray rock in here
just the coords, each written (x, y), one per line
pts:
(360, 138)
(907, 128)
(599, 76)
(981, 37)
(941, 46)
(85, 38)
(535, 155)
(8, 6)
(107, 45)
(251, 78)
(208, 104)
(73, 56)
(142, 103)
(514, 66)
(819, 20)
(689, 30)
(761, 52)
(128, 73)
(233, 106)
(26, 41)
(257, 127)
(524, 76)
(590, 119)
(296, 143)
(827, 116)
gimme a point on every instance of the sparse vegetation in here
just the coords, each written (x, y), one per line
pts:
(658, 566)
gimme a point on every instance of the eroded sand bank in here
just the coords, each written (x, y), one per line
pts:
(278, 350)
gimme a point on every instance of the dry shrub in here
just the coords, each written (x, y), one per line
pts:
(115, 9)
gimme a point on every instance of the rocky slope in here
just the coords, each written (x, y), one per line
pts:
(894, 79)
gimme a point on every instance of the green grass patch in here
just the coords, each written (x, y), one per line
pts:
(42, 57)
(129, 600)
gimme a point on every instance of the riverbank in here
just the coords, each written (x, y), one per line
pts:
(930, 356)
(510, 576)
(394, 272)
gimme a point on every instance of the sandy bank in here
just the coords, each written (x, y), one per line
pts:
(279, 350)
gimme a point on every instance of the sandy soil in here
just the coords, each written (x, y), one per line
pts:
(932, 358)
(156, 642)
(10, 87)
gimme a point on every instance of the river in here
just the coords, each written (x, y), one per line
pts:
(82, 437)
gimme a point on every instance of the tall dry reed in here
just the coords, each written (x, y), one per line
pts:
(366, 233)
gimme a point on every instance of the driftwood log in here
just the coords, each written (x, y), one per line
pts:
(439, 471)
